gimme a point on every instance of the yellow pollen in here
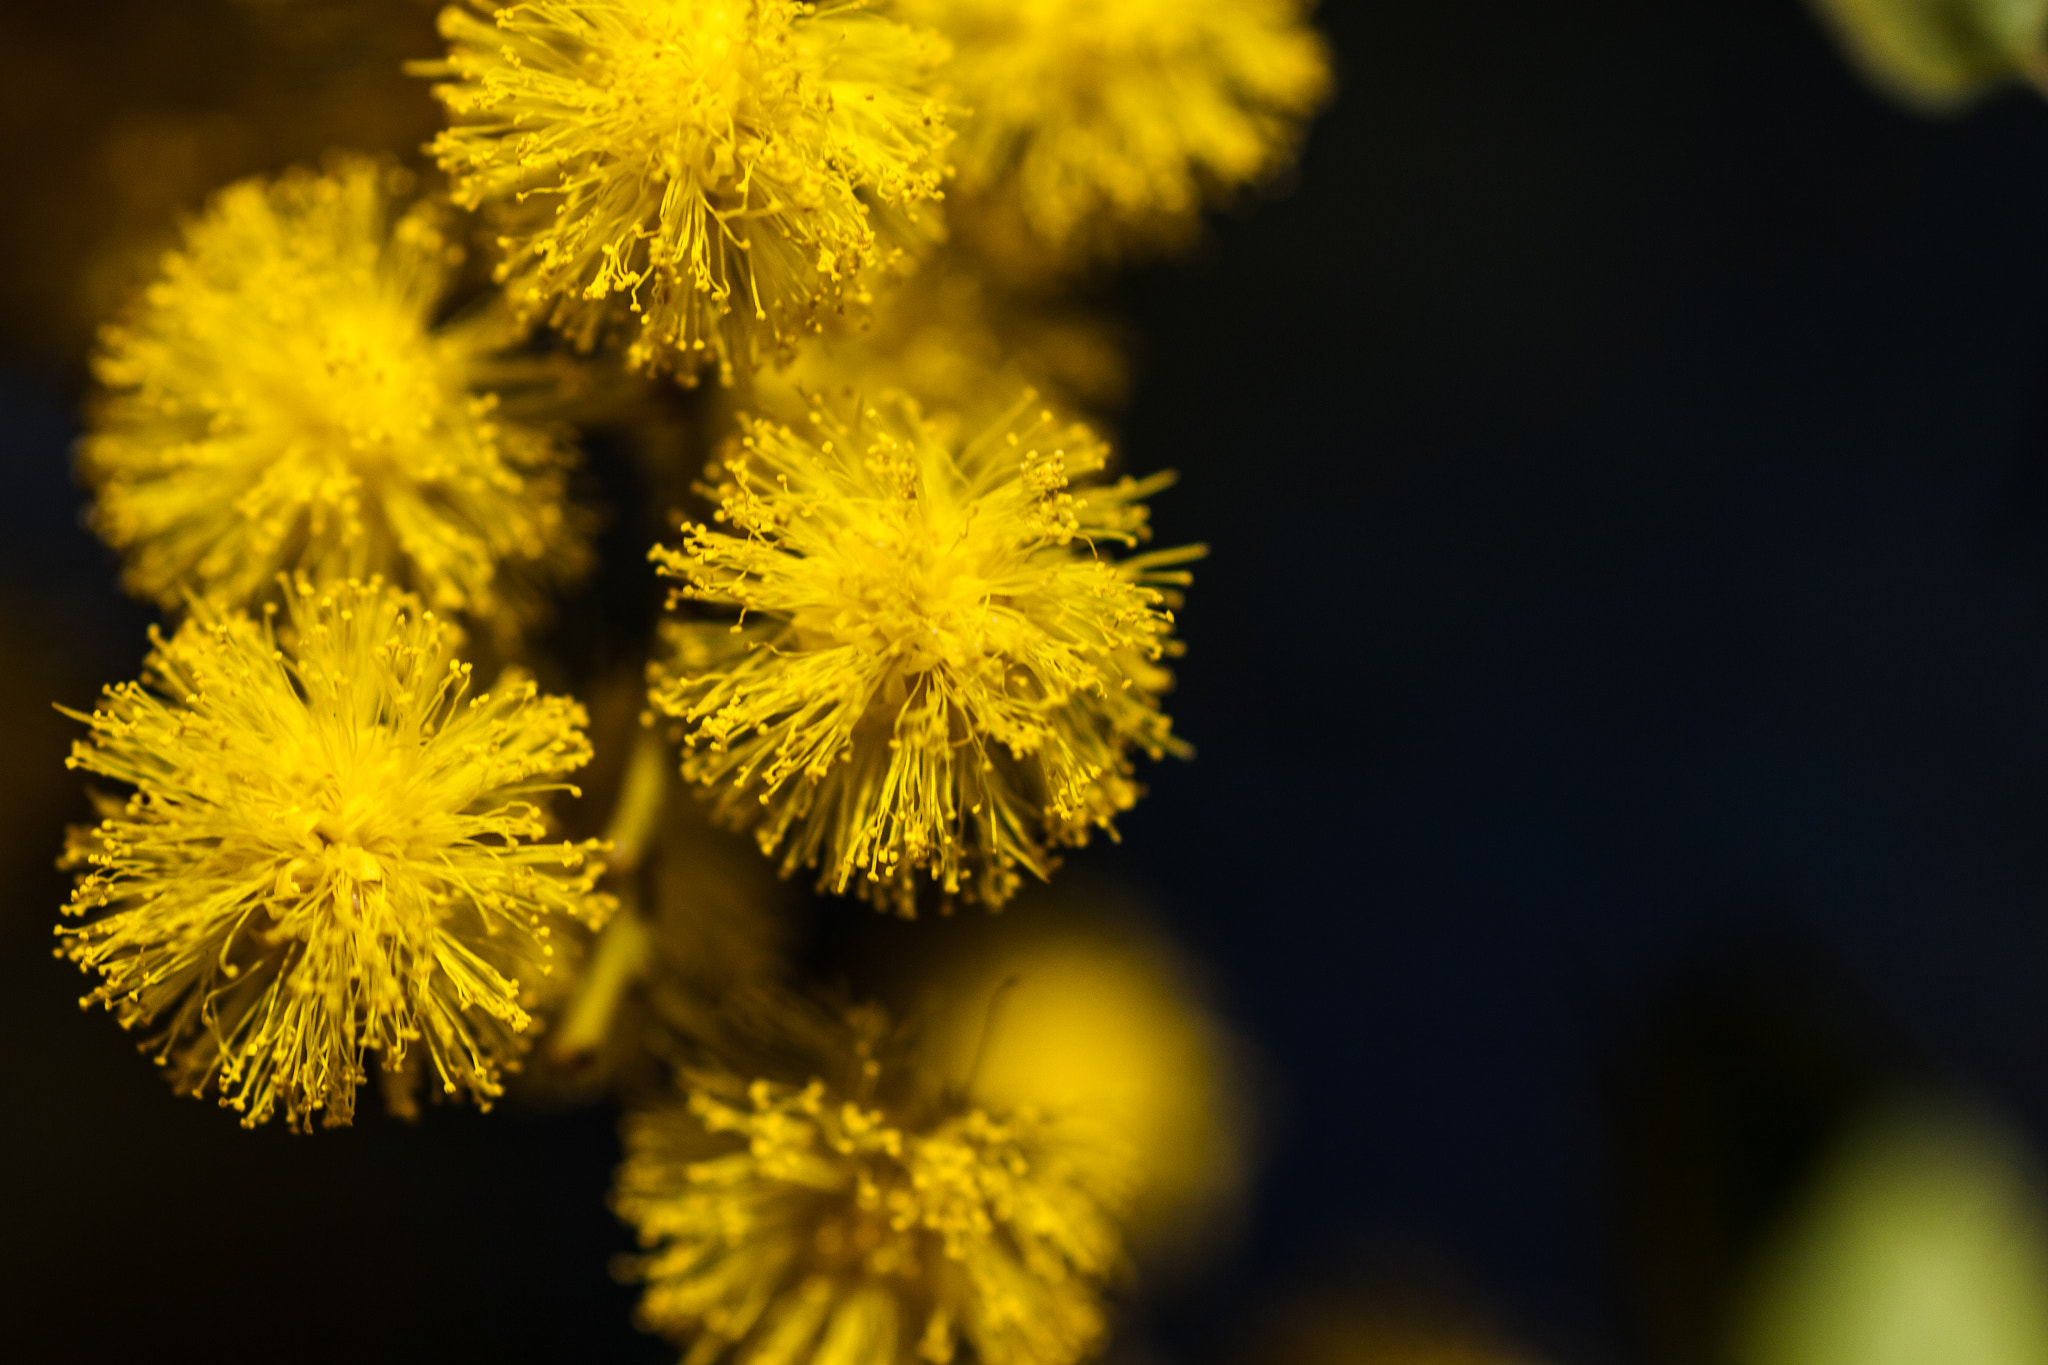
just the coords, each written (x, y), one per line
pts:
(280, 401)
(716, 169)
(1099, 125)
(331, 851)
(857, 1219)
(938, 672)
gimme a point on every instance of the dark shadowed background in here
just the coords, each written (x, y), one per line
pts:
(1620, 685)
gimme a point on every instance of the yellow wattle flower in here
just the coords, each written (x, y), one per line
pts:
(280, 401)
(714, 166)
(938, 671)
(1097, 125)
(331, 850)
(1095, 1017)
(853, 1220)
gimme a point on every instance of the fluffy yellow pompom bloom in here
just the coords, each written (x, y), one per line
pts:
(714, 166)
(1100, 123)
(855, 1220)
(279, 401)
(331, 850)
(938, 669)
(1100, 1020)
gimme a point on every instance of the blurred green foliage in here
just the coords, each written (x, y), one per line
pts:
(1936, 53)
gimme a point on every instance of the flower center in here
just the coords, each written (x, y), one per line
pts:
(689, 88)
(350, 400)
(920, 598)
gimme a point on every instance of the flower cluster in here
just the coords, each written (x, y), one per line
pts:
(850, 1221)
(915, 645)
(943, 672)
(331, 850)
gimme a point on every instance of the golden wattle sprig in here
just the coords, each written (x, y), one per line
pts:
(717, 167)
(1099, 125)
(939, 672)
(856, 1216)
(280, 400)
(331, 850)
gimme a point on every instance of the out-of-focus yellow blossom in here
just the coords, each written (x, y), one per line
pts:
(938, 670)
(1097, 125)
(1938, 52)
(279, 401)
(331, 850)
(865, 1217)
(1060, 1014)
(941, 335)
(717, 167)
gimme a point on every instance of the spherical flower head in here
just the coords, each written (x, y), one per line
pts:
(939, 672)
(279, 401)
(716, 167)
(331, 850)
(1098, 1019)
(850, 1221)
(1098, 125)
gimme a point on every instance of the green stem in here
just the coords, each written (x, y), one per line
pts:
(617, 960)
(642, 793)
(619, 956)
